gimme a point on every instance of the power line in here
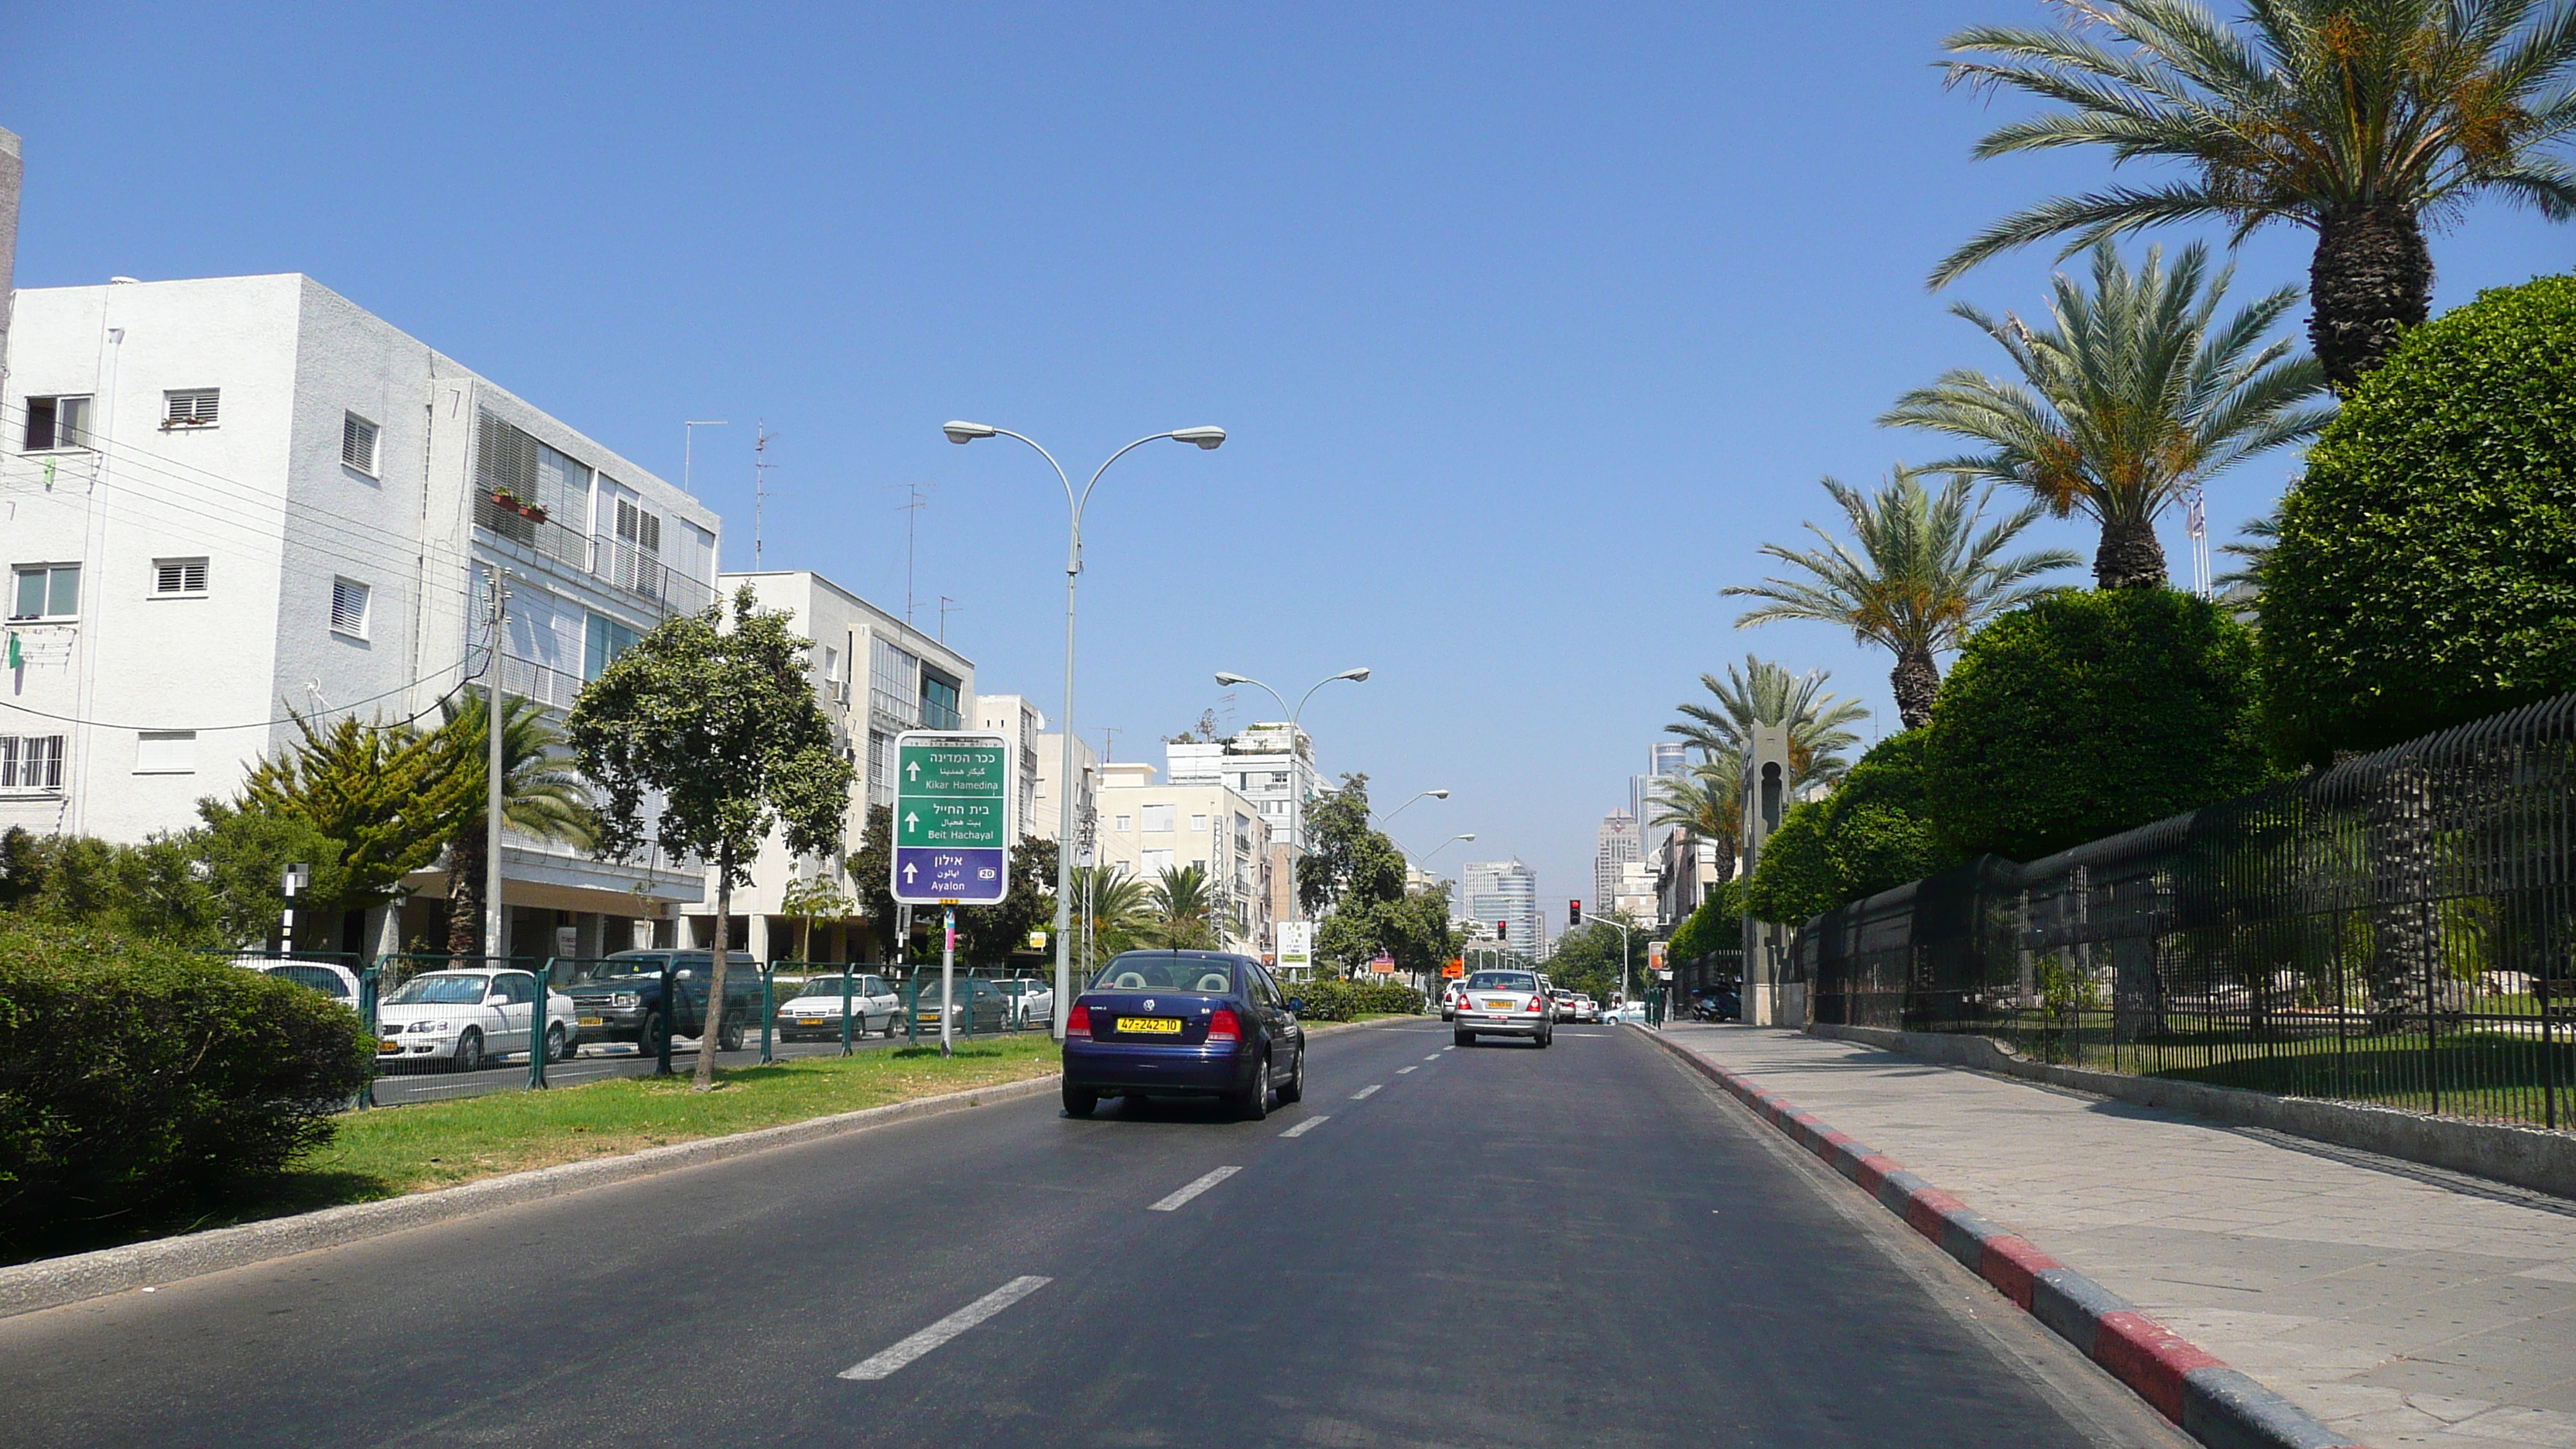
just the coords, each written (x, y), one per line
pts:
(287, 718)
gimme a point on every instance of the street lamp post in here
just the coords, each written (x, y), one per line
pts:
(965, 432)
(1296, 796)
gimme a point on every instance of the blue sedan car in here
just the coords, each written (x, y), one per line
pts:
(1184, 1023)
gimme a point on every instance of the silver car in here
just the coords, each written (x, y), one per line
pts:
(1504, 1003)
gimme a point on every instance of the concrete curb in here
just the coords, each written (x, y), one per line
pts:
(53, 1282)
(2213, 1403)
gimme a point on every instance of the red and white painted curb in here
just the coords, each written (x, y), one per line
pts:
(2213, 1403)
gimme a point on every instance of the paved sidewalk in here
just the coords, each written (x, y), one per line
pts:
(2401, 1305)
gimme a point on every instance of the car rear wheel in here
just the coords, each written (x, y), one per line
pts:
(469, 1050)
(1463, 1038)
(648, 1039)
(556, 1047)
(1544, 1038)
(729, 1036)
(1078, 1101)
(1294, 1089)
(1254, 1104)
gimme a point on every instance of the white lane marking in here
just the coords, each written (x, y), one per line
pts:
(1309, 1125)
(1448, 1049)
(1173, 1203)
(1364, 1091)
(1435, 1056)
(945, 1329)
(1400, 1071)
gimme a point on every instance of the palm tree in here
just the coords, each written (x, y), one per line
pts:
(1183, 912)
(1921, 578)
(1763, 693)
(2241, 588)
(2354, 118)
(541, 796)
(1708, 801)
(1110, 906)
(2132, 399)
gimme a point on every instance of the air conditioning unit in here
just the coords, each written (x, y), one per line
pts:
(841, 692)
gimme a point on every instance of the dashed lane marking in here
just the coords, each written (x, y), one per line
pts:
(1174, 1202)
(1363, 1092)
(885, 1363)
(1400, 1071)
(1309, 1125)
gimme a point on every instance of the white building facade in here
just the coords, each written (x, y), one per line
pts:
(1150, 828)
(225, 500)
(1504, 892)
(1018, 720)
(1048, 823)
(1615, 845)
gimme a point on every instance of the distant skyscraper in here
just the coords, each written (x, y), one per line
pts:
(1663, 758)
(1504, 890)
(1619, 844)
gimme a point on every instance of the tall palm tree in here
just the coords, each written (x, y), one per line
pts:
(2135, 396)
(2357, 119)
(1183, 912)
(1763, 693)
(1708, 801)
(1919, 579)
(541, 796)
(2241, 588)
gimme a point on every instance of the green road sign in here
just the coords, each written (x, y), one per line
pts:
(952, 827)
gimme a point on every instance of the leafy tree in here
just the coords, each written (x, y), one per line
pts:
(382, 798)
(246, 853)
(1708, 801)
(153, 891)
(1183, 914)
(1716, 925)
(808, 897)
(2133, 398)
(2354, 118)
(1763, 693)
(990, 935)
(2086, 714)
(1587, 959)
(1873, 833)
(872, 873)
(2241, 587)
(718, 725)
(1412, 928)
(1346, 854)
(541, 796)
(2426, 569)
(1920, 577)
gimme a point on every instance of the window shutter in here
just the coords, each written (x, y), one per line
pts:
(648, 534)
(192, 406)
(349, 607)
(179, 576)
(358, 443)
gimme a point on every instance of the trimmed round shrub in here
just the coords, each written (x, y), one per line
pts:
(1331, 998)
(133, 1075)
(2425, 574)
(1873, 833)
(2085, 714)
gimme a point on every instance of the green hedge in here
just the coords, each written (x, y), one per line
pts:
(1873, 833)
(1328, 999)
(134, 1076)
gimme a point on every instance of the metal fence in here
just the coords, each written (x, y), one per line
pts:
(2400, 930)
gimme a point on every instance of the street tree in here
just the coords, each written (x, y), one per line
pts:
(1183, 913)
(1708, 801)
(1353, 884)
(1916, 577)
(807, 897)
(2135, 396)
(2357, 119)
(1112, 903)
(541, 796)
(1764, 693)
(988, 935)
(703, 739)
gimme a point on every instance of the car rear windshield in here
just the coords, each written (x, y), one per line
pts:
(439, 991)
(1166, 973)
(1502, 981)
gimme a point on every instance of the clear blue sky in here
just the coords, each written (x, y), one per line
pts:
(1529, 323)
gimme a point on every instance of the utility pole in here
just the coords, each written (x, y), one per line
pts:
(492, 779)
(760, 466)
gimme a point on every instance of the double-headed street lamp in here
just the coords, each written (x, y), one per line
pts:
(1067, 786)
(1296, 794)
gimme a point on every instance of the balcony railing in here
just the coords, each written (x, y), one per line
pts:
(616, 562)
(548, 686)
(546, 536)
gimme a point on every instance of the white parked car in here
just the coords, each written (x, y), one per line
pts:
(337, 982)
(814, 1013)
(1626, 1011)
(1032, 1001)
(462, 1019)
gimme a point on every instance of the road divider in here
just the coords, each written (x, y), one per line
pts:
(1209, 1180)
(882, 1364)
(1309, 1125)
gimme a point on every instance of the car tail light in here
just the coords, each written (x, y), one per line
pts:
(1080, 1021)
(1534, 1001)
(1224, 1026)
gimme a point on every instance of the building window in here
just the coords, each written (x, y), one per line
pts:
(893, 676)
(178, 578)
(165, 752)
(1198, 823)
(1156, 861)
(57, 422)
(1125, 824)
(358, 443)
(602, 641)
(1158, 817)
(31, 762)
(46, 591)
(349, 608)
(831, 665)
(189, 408)
(939, 701)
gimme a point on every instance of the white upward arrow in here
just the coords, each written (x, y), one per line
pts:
(914, 770)
(909, 870)
(911, 820)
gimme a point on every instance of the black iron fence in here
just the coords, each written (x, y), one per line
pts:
(2400, 929)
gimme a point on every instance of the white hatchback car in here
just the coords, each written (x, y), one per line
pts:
(814, 1013)
(462, 1019)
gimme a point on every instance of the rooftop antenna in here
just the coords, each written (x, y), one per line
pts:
(760, 466)
(1108, 742)
(919, 499)
(947, 606)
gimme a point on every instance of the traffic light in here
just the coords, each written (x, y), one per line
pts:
(1573, 913)
(1502, 930)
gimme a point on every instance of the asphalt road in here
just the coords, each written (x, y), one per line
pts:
(1494, 1246)
(407, 1083)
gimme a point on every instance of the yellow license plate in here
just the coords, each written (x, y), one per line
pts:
(593, 1021)
(389, 1046)
(1498, 1006)
(809, 1021)
(1149, 1025)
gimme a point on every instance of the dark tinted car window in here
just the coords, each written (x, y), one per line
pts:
(1144, 971)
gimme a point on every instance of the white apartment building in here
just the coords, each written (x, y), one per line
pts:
(1503, 891)
(1015, 718)
(1150, 828)
(1685, 872)
(1048, 822)
(1635, 893)
(1616, 845)
(1271, 765)
(876, 676)
(226, 499)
